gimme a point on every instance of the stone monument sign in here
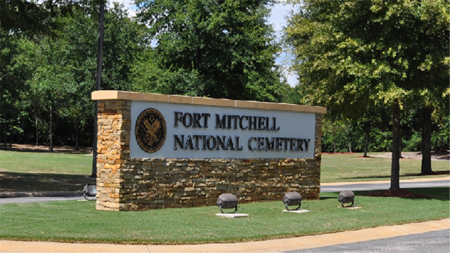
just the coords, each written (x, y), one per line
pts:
(159, 151)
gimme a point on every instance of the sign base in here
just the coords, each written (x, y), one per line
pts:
(351, 207)
(232, 215)
(296, 211)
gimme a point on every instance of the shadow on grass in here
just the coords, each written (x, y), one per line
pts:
(388, 177)
(39, 182)
(328, 197)
(45, 149)
(439, 193)
(443, 172)
(370, 177)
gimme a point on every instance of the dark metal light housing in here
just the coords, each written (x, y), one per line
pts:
(227, 200)
(90, 191)
(346, 197)
(292, 199)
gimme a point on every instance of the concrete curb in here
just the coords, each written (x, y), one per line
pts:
(38, 194)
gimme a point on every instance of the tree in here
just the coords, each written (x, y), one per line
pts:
(52, 73)
(14, 72)
(352, 55)
(33, 17)
(66, 75)
(21, 20)
(225, 48)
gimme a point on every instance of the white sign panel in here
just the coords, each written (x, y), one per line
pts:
(162, 130)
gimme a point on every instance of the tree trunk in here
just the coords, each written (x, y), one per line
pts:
(50, 144)
(366, 144)
(0, 133)
(5, 131)
(1, 117)
(396, 146)
(11, 135)
(77, 145)
(426, 141)
(334, 143)
(349, 144)
(37, 130)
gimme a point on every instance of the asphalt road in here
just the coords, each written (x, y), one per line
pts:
(437, 241)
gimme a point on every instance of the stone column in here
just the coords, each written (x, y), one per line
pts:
(113, 147)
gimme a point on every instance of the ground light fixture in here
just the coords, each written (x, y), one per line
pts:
(90, 191)
(346, 196)
(292, 199)
(227, 200)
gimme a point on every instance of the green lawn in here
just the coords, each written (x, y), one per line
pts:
(45, 162)
(43, 171)
(70, 221)
(352, 167)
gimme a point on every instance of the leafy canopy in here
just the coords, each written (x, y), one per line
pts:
(355, 55)
(225, 48)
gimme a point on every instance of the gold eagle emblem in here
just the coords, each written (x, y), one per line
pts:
(152, 129)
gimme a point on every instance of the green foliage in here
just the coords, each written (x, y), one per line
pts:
(356, 57)
(20, 16)
(225, 48)
(338, 135)
(336, 138)
(15, 70)
(352, 55)
(38, 17)
(149, 76)
(52, 73)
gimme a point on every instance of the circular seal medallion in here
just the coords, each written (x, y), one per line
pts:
(151, 130)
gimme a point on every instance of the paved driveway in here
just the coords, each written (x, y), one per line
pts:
(437, 241)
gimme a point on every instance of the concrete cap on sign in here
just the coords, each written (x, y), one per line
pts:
(177, 99)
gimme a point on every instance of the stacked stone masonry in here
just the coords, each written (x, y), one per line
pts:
(125, 184)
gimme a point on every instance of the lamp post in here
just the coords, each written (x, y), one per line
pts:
(98, 86)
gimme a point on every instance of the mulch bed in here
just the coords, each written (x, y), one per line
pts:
(397, 193)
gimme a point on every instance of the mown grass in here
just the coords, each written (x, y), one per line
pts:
(71, 221)
(353, 167)
(45, 162)
(22, 171)
(45, 171)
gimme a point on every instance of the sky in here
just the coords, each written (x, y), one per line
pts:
(277, 19)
